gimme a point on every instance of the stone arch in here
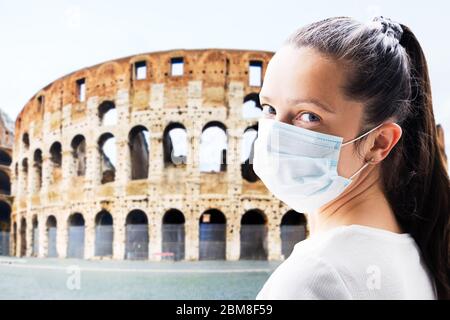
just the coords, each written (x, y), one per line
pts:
(51, 228)
(108, 156)
(79, 158)
(25, 173)
(76, 236)
(173, 233)
(5, 227)
(254, 235)
(175, 144)
(137, 236)
(252, 106)
(139, 146)
(107, 113)
(247, 150)
(5, 183)
(23, 237)
(104, 234)
(26, 141)
(212, 235)
(5, 158)
(37, 167)
(56, 161)
(292, 231)
(35, 236)
(213, 147)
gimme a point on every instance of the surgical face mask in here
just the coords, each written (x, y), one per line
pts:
(299, 166)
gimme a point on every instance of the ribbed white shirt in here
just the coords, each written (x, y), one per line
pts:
(352, 262)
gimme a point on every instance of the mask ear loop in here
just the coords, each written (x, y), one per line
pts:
(362, 168)
(357, 138)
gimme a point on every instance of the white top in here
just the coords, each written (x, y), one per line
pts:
(352, 262)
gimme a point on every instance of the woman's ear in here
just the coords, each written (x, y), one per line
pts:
(385, 139)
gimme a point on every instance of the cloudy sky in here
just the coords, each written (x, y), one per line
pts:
(44, 40)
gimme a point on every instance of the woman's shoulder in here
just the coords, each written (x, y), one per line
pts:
(311, 277)
(344, 263)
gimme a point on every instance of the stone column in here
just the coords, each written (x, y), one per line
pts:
(46, 173)
(192, 236)
(155, 235)
(119, 236)
(19, 236)
(67, 172)
(273, 236)
(89, 235)
(43, 241)
(93, 178)
(62, 238)
(123, 170)
(29, 236)
(233, 237)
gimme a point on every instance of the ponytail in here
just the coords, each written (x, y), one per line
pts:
(420, 190)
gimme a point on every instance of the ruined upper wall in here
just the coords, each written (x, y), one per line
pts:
(6, 131)
(215, 68)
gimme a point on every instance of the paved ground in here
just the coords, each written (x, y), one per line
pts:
(82, 279)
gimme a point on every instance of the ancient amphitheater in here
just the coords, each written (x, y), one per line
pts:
(146, 157)
(6, 143)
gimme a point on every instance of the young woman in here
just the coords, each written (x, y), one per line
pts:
(348, 136)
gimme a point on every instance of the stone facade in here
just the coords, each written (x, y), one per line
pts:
(66, 187)
(6, 143)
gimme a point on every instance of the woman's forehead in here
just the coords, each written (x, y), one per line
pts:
(303, 73)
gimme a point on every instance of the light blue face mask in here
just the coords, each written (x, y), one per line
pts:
(299, 166)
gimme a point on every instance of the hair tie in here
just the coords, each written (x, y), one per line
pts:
(389, 27)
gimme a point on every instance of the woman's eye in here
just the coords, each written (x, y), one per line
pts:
(268, 110)
(308, 117)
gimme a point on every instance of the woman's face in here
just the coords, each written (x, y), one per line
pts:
(303, 88)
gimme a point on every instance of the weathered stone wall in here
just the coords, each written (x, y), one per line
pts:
(213, 87)
(6, 143)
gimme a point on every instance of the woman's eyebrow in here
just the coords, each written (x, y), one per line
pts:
(300, 101)
(311, 101)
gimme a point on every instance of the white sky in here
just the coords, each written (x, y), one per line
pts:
(40, 41)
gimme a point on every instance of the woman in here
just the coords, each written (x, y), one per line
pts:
(348, 136)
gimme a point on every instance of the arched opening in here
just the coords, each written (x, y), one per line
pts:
(5, 183)
(212, 244)
(107, 113)
(252, 107)
(213, 148)
(26, 141)
(5, 158)
(37, 166)
(56, 162)
(25, 174)
(104, 234)
(35, 237)
(292, 230)
(139, 142)
(51, 225)
(173, 233)
(5, 227)
(79, 155)
(76, 236)
(248, 142)
(253, 236)
(23, 237)
(108, 157)
(175, 145)
(137, 237)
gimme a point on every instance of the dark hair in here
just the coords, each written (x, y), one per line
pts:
(386, 70)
